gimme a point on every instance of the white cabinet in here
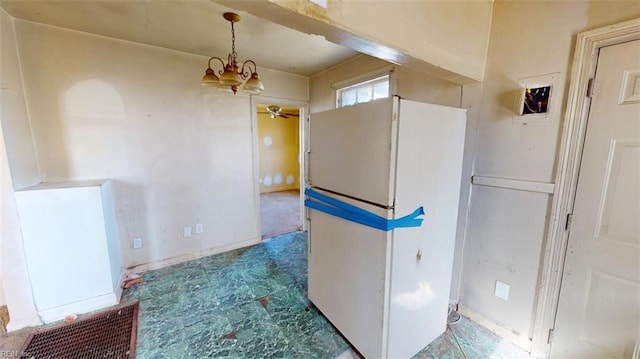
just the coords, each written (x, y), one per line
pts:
(387, 292)
(72, 253)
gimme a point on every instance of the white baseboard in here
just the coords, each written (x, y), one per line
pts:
(81, 307)
(17, 324)
(522, 342)
(191, 256)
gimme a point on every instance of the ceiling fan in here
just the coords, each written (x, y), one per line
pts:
(275, 111)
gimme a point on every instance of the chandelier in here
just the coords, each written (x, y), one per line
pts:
(232, 77)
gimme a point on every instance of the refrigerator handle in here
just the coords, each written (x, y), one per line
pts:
(307, 179)
(307, 152)
(307, 175)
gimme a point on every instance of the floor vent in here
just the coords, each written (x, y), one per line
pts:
(110, 334)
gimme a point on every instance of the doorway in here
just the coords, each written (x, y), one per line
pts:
(557, 269)
(598, 311)
(279, 164)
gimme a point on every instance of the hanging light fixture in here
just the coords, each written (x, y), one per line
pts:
(231, 76)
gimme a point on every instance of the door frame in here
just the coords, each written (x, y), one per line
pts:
(303, 107)
(587, 47)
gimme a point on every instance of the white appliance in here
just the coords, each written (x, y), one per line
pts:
(387, 292)
(71, 247)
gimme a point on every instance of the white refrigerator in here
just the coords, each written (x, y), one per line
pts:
(387, 292)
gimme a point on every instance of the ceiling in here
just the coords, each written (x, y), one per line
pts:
(194, 26)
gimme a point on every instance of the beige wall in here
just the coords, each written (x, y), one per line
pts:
(15, 289)
(407, 83)
(181, 154)
(452, 35)
(507, 228)
(14, 279)
(13, 112)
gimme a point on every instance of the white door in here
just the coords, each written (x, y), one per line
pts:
(599, 308)
(351, 151)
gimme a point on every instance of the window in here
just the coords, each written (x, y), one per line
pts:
(363, 91)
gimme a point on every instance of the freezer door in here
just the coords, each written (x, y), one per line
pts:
(348, 267)
(351, 150)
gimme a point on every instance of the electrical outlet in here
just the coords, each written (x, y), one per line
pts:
(187, 232)
(137, 243)
(501, 290)
(199, 228)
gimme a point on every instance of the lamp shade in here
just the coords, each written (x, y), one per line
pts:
(227, 89)
(210, 79)
(253, 86)
(230, 78)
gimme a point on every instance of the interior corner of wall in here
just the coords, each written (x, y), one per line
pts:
(485, 58)
(3, 300)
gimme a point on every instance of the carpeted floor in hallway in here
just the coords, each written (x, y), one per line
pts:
(280, 212)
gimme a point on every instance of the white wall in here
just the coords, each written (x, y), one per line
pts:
(412, 85)
(13, 112)
(507, 228)
(180, 154)
(452, 35)
(15, 290)
(15, 279)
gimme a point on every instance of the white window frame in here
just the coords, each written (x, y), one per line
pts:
(367, 79)
(361, 85)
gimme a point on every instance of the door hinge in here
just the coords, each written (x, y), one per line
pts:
(590, 88)
(550, 338)
(567, 224)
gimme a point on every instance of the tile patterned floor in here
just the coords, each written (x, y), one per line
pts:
(252, 303)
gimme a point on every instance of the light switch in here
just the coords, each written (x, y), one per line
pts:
(502, 290)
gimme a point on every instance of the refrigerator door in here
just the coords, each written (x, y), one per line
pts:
(347, 270)
(351, 150)
(430, 148)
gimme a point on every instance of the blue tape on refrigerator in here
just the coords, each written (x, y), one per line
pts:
(335, 207)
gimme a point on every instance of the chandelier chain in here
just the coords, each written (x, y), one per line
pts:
(233, 41)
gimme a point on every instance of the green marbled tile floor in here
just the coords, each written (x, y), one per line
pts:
(252, 303)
